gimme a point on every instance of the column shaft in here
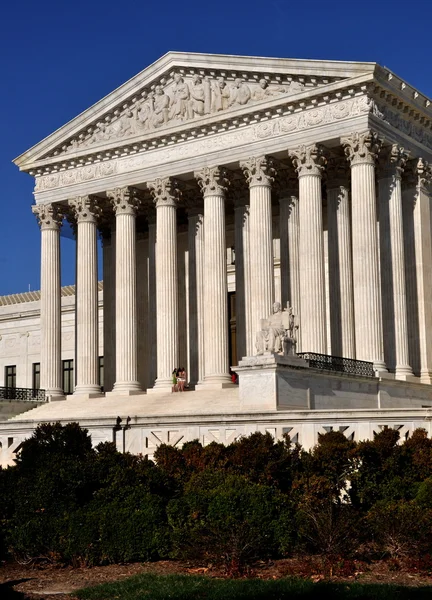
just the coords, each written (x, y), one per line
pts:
(152, 329)
(312, 282)
(215, 291)
(393, 266)
(165, 195)
(51, 366)
(362, 149)
(423, 258)
(367, 300)
(109, 310)
(240, 290)
(125, 205)
(259, 173)
(249, 332)
(196, 299)
(289, 254)
(142, 309)
(87, 315)
(340, 272)
(213, 183)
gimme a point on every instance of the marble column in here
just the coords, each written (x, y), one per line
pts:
(289, 248)
(340, 262)
(423, 260)
(108, 249)
(166, 195)
(241, 210)
(152, 325)
(86, 212)
(259, 173)
(50, 220)
(394, 305)
(361, 150)
(142, 307)
(125, 203)
(309, 163)
(213, 183)
(196, 296)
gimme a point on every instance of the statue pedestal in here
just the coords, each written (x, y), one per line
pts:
(273, 381)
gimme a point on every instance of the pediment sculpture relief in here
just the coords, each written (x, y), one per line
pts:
(187, 98)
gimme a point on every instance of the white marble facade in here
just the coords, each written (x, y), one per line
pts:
(292, 180)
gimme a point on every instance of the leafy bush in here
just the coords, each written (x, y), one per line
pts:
(227, 518)
(401, 529)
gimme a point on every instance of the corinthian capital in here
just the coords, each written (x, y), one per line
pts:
(124, 200)
(258, 170)
(86, 209)
(393, 160)
(308, 160)
(424, 173)
(165, 192)
(49, 216)
(361, 148)
(213, 181)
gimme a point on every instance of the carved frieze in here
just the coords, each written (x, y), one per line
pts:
(184, 99)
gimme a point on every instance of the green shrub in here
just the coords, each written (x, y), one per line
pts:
(401, 529)
(227, 518)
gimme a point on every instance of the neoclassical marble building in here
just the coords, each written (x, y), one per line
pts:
(220, 184)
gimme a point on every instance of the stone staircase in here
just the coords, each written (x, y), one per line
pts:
(199, 402)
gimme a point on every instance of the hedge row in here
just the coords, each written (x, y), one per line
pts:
(255, 498)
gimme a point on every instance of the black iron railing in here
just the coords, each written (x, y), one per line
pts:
(338, 364)
(22, 394)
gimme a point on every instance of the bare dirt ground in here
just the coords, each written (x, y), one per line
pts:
(52, 582)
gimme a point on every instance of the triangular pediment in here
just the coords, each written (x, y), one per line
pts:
(182, 89)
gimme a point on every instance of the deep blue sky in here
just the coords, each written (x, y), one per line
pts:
(58, 58)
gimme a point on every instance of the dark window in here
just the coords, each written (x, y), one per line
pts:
(10, 376)
(68, 376)
(36, 376)
(101, 371)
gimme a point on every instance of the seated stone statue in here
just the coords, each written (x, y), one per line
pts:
(272, 336)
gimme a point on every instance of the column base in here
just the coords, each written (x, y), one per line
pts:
(161, 386)
(125, 388)
(215, 382)
(90, 391)
(54, 396)
(426, 377)
(85, 395)
(379, 366)
(404, 373)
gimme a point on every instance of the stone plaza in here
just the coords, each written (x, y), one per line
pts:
(267, 215)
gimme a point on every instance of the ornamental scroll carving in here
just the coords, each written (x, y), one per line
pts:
(213, 181)
(258, 170)
(185, 99)
(165, 192)
(362, 148)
